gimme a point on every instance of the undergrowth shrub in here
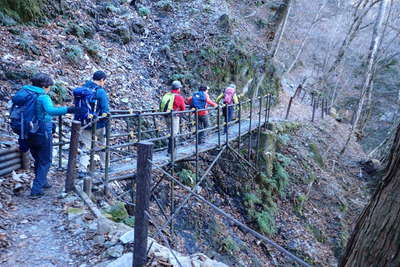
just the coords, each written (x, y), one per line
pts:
(73, 53)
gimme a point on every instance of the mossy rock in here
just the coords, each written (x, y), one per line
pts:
(117, 212)
(29, 10)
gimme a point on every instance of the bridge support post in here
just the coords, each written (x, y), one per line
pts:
(259, 130)
(251, 117)
(145, 155)
(73, 152)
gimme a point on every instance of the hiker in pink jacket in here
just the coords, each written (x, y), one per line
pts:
(229, 97)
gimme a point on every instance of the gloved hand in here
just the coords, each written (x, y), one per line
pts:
(90, 116)
(104, 114)
(71, 110)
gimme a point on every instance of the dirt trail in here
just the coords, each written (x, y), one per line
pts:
(39, 235)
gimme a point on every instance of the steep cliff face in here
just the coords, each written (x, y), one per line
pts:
(142, 48)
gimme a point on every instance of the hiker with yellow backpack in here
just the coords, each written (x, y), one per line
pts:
(173, 100)
(230, 97)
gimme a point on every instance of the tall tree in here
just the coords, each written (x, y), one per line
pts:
(375, 240)
(373, 51)
(361, 9)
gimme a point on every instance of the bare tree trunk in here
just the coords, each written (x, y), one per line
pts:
(373, 51)
(276, 20)
(375, 240)
(361, 10)
(282, 31)
(308, 34)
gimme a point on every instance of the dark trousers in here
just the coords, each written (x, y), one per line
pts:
(203, 124)
(41, 147)
(228, 115)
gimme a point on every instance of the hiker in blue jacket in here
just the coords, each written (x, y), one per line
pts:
(102, 108)
(39, 140)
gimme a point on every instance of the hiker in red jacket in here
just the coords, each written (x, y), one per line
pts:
(173, 101)
(201, 100)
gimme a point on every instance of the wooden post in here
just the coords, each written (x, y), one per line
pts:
(313, 111)
(108, 157)
(60, 143)
(288, 109)
(92, 147)
(145, 153)
(25, 160)
(73, 153)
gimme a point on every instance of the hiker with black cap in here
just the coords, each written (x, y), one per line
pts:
(200, 101)
(173, 100)
(92, 101)
(30, 118)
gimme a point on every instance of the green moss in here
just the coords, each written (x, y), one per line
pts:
(317, 233)
(75, 211)
(316, 155)
(299, 204)
(73, 53)
(281, 177)
(143, 11)
(250, 200)
(266, 221)
(92, 48)
(130, 221)
(229, 245)
(28, 47)
(187, 177)
(117, 212)
(23, 10)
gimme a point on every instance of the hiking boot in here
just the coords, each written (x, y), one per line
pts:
(47, 186)
(36, 196)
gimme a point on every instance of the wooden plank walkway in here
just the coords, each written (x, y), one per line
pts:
(161, 158)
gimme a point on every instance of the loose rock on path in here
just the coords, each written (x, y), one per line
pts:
(39, 232)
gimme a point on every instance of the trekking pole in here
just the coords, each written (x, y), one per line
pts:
(322, 108)
(197, 144)
(240, 124)
(60, 143)
(219, 125)
(226, 124)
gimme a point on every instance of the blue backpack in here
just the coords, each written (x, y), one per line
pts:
(23, 113)
(85, 103)
(198, 100)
